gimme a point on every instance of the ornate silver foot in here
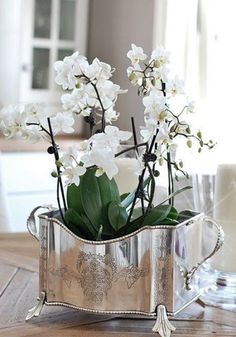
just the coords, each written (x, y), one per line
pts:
(163, 325)
(35, 311)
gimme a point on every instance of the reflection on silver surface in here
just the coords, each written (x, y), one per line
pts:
(132, 274)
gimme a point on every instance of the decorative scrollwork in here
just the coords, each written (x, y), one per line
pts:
(97, 273)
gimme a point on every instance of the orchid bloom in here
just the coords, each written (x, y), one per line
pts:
(136, 54)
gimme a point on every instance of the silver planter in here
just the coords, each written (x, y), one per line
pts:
(153, 271)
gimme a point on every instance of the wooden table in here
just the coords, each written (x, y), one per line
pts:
(18, 292)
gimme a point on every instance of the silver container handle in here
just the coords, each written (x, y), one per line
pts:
(31, 221)
(219, 242)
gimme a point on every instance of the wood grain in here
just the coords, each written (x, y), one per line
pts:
(22, 244)
(6, 275)
(19, 261)
(19, 289)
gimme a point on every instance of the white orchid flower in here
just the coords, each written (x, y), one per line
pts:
(161, 56)
(109, 91)
(68, 69)
(36, 113)
(175, 87)
(110, 138)
(136, 54)
(86, 111)
(24, 121)
(104, 165)
(160, 75)
(98, 70)
(135, 75)
(163, 135)
(69, 157)
(115, 132)
(76, 101)
(104, 159)
(34, 134)
(73, 174)
(101, 149)
(111, 115)
(13, 120)
(65, 75)
(164, 138)
(155, 105)
(62, 122)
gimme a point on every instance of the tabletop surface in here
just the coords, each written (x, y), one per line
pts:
(19, 290)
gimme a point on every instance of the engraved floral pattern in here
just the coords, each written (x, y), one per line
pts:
(97, 273)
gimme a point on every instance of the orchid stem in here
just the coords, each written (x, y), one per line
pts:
(60, 185)
(141, 183)
(170, 179)
(131, 148)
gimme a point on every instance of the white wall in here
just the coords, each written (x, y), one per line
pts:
(9, 50)
(27, 184)
(113, 26)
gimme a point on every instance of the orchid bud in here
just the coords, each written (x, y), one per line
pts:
(132, 77)
(58, 163)
(54, 174)
(199, 134)
(189, 143)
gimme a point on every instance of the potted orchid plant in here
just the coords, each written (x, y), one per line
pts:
(92, 206)
(103, 251)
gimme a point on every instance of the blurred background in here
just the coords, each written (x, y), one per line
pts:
(36, 33)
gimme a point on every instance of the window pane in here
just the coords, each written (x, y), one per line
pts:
(42, 18)
(67, 19)
(63, 53)
(40, 68)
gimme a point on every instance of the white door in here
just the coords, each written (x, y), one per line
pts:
(52, 29)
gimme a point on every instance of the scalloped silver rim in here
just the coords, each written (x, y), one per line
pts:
(188, 222)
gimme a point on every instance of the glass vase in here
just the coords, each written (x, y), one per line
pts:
(216, 196)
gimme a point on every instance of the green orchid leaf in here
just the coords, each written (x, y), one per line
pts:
(164, 214)
(137, 212)
(169, 222)
(157, 214)
(88, 223)
(173, 215)
(117, 215)
(124, 196)
(108, 190)
(133, 226)
(185, 215)
(91, 199)
(74, 197)
(76, 224)
(74, 228)
(96, 194)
